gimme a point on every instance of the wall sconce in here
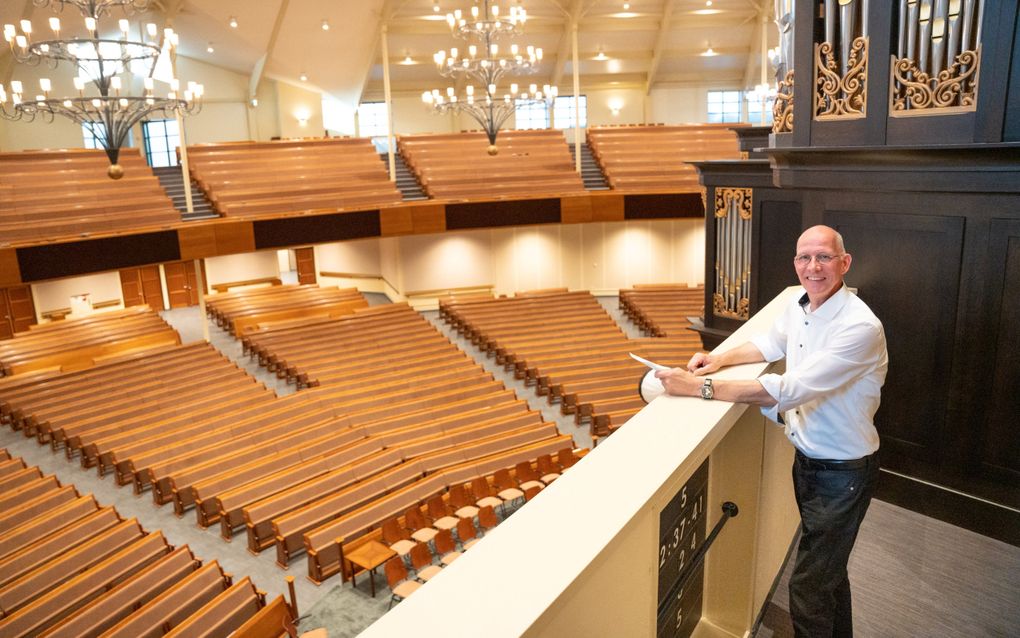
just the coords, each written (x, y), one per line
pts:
(302, 117)
(614, 107)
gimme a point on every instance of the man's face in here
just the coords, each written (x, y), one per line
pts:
(819, 278)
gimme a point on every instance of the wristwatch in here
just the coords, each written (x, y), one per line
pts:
(707, 391)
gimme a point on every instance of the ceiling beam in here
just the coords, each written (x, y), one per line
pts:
(573, 16)
(660, 40)
(260, 64)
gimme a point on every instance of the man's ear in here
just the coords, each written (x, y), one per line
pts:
(847, 260)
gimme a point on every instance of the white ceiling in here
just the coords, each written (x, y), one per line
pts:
(346, 60)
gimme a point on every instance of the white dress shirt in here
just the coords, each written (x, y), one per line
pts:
(836, 362)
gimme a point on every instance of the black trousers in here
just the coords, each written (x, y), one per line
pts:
(833, 498)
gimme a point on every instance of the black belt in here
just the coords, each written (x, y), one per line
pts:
(835, 464)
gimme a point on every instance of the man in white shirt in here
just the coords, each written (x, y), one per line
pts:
(836, 363)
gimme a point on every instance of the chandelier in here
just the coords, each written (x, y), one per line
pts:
(485, 64)
(110, 111)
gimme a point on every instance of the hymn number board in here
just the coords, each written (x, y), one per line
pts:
(681, 532)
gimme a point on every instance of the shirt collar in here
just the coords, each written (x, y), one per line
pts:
(830, 308)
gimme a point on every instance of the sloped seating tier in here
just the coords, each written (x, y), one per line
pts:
(325, 544)
(244, 179)
(654, 158)
(458, 166)
(245, 310)
(78, 569)
(661, 310)
(567, 347)
(75, 343)
(87, 202)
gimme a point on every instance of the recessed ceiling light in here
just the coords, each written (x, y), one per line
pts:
(706, 12)
(626, 6)
(708, 53)
(600, 56)
(435, 6)
(708, 3)
(210, 48)
(325, 25)
(304, 77)
(232, 22)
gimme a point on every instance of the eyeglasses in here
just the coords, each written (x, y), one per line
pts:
(822, 258)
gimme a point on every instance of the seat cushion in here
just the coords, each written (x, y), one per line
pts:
(402, 547)
(428, 572)
(530, 484)
(447, 522)
(406, 588)
(424, 534)
(449, 558)
(510, 494)
(471, 543)
(492, 501)
(549, 478)
(468, 511)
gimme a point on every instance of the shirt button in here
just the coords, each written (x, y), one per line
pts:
(800, 345)
(805, 323)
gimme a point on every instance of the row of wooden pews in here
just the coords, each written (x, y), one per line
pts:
(430, 416)
(65, 193)
(661, 310)
(244, 179)
(72, 567)
(285, 468)
(80, 343)
(238, 312)
(654, 158)
(568, 347)
(458, 166)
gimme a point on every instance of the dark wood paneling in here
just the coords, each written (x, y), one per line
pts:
(6, 324)
(777, 225)
(316, 229)
(504, 213)
(38, 263)
(899, 258)
(1000, 449)
(665, 206)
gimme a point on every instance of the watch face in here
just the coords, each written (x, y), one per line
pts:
(706, 390)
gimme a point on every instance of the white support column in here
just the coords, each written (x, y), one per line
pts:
(388, 99)
(189, 204)
(577, 99)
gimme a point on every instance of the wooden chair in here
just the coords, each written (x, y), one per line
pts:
(483, 493)
(466, 532)
(440, 513)
(506, 485)
(487, 518)
(527, 477)
(421, 560)
(446, 547)
(397, 538)
(421, 531)
(566, 458)
(531, 492)
(549, 471)
(460, 500)
(400, 584)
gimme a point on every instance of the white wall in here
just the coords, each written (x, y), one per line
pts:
(52, 295)
(241, 267)
(294, 102)
(678, 105)
(357, 257)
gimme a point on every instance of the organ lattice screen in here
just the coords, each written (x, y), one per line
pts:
(841, 61)
(938, 54)
(732, 253)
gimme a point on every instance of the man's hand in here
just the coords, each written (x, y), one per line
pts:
(703, 363)
(679, 382)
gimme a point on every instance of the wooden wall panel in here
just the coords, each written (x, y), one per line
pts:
(576, 210)
(898, 257)
(607, 208)
(10, 272)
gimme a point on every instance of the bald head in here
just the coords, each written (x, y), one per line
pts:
(823, 234)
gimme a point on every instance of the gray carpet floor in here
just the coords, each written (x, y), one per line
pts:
(912, 575)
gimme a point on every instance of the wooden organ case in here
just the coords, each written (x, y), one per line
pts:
(898, 123)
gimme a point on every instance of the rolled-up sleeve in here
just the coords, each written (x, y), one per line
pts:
(847, 356)
(772, 344)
